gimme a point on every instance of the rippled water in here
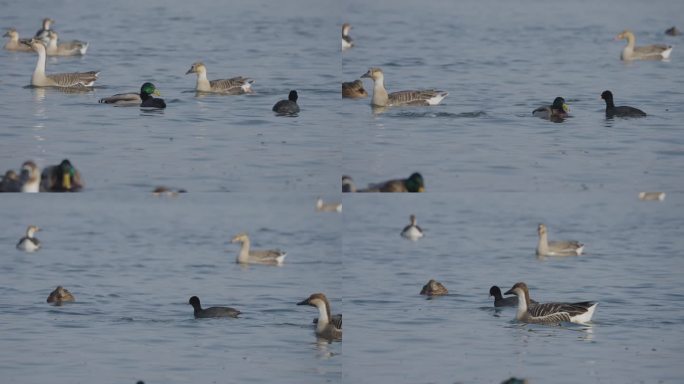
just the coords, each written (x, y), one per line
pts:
(492, 171)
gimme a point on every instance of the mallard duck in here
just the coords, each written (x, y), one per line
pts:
(60, 295)
(234, 86)
(556, 112)
(63, 177)
(556, 248)
(29, 243)
(646, 52)
(621, 111)
(347, 41)
(434, 288)
(413, 184)
(354, 90)
(67, 80)
(247, 256)
(550, 313)
(143, 99)
(14, 43)
(212, 311)
(325, 328)
(289, 106)
(414, 97)
(70, 48)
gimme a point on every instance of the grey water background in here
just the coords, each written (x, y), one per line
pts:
(204, 144)
(499, 61)
(133, 260)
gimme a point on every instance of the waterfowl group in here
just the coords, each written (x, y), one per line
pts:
(556, 248)
(289, 106)
(29, 243)
(412, 231)
(325, 327)
(550, 313)
(63, 177)
(414, 97)
(249, 256)
(434, 288)
(646, 52)
(60, 295)
(212, 311)
(233, 86)
(500, 301)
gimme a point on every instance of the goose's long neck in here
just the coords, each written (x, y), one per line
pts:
(244, 249)
(39, 72)
(379, 92)
(522, 306)
(543, 246)
(323, 315)
(631, 41)
(202, 81)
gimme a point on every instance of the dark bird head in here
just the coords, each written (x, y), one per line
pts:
(293, 96)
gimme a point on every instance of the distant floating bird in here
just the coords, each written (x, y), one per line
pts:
(60, 295)
(10, 182)
(234, 86)
(29, 243)
(289, 106)
(69, 48)
(248, 256)
(29, 178)
(168, 192)
(63, 80)
(63, 177)
(621, 111)
(414, 183)
(652, 196)
(15, 43)
(556, 248)
(348, 184)
(434, 288)
(325, 328)
(555, 112)
(327, 207)
(42, 33)
(212, 311)
(412, 231)
(646, 52)
(354, 90)
(413, 97)
(347, 41)
(550, 313)
(673, 31)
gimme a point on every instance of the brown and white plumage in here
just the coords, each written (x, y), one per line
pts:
(550, 313)
(60, 295)
(42, 33)
(411, 97)
(434, 288)
(29, 243)
(325, 327)
(65, 80)
(249, 256)
(234, 86)
(645, 52)
(69, 48)
(556, 248)
(354, 90)
(29, 178)
(15, 43)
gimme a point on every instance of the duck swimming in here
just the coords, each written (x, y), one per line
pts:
(63, 177)
(621, 111)
(412, 231)
(555, 112)
(434, 288)
(347, 41)
(289, 106)
(60, 295)
(646, 52)
(413, 184)
(353, 90)
(144, 99)
(16, 44)
(29, 243)
(29, 178)
(556, 248)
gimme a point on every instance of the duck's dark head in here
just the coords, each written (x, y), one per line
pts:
(67, 172)
(195, 302)
(559, 104)
(495, 291)
(149, 89)
(293, 96)
(415, 183)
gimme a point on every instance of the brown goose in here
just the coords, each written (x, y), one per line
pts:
(66, 80)
(414, 97)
